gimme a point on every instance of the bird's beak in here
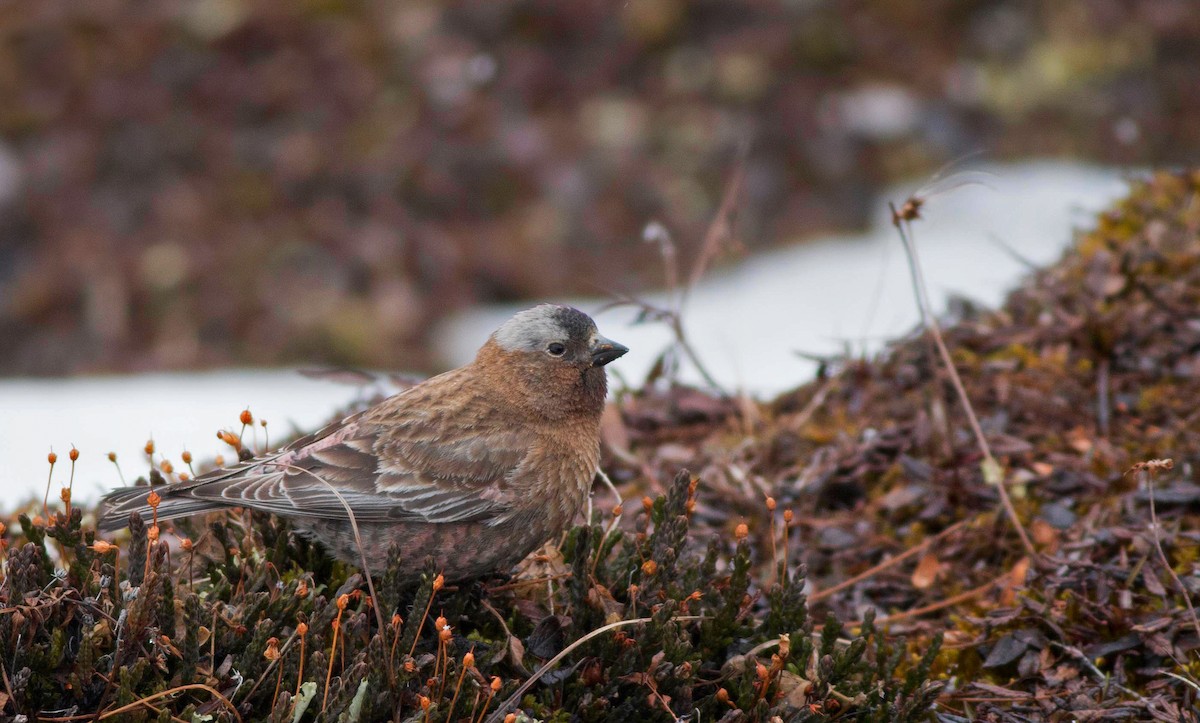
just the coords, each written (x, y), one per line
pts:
(606, 350)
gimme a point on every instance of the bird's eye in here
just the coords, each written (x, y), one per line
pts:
(556, 349)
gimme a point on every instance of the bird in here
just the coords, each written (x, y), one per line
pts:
(474, 468)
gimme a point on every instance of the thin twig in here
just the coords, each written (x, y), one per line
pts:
(1147, 474)
(498, 714)
(904, 228)
(890, 562)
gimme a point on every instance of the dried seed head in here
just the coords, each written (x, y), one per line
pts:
(343, 601)
(149, 447)
(73, 454)
(65, 495)
(186, 457)
(112, 456)
(263, 422)
(153, 499)
(246, 417)
(649, 567)
(771, 504)
(102, 547)
(302, 629)
(741, 532)
(52, 458)
(272, 651)
(785, 644)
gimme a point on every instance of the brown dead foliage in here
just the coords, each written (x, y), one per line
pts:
(1090, 368)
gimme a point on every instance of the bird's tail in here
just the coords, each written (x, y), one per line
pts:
(117, 505)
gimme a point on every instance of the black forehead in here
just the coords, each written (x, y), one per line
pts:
(578, 325)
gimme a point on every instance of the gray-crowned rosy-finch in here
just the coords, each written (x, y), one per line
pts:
(475, 468)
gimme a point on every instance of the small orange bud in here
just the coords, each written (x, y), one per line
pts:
(272, 651)
(741, 531)
(65, 495)
(647, 504)
(112, 456)
(343, 601)
(246, 417)
(722, 695)
(52, 458)
(167, 467)
(101, 547)
(73, 454)
(302, 589)
(761, 671)
(185, 544)
(445, 634)
(397, 621)
(440, 622)
(186, 457)
(617, 511)
(263, 422)
(153, 499)
(425, 702)
(438, 583)
(787, 516)
(302, 629)
(496, 684)
(149, 447)
(152, 534)
(184, 477)
(219, 460)
(510, 718)
(469, 660)
(38, 521)
(771, 504)
(649, 567)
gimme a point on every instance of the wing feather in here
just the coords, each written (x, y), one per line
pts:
(414, 457)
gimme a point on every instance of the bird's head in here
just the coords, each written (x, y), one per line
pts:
(554, 354)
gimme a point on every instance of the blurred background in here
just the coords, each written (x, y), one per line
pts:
(192, 186)
(188, 185)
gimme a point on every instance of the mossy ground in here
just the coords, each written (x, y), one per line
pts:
(864, 506)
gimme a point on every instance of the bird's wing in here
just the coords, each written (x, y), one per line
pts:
(407, 460)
